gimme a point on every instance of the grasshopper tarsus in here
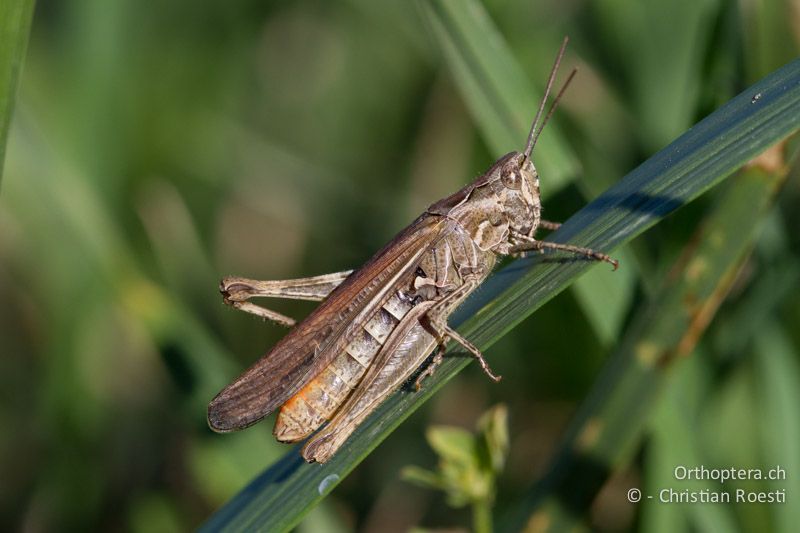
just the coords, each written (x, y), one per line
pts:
(431, 368)
(424, 374)
(472, 349)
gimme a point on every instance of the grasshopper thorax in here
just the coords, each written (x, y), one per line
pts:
(502, 202)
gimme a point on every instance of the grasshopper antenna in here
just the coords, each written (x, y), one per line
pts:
(533, 135)
(554, 105)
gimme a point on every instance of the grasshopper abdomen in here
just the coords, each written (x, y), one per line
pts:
(315, 403)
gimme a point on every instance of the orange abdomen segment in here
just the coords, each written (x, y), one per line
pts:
(315, 403)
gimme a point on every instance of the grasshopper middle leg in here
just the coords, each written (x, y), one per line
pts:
(437, 321)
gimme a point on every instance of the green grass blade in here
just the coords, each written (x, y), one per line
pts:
(659, 71)
(701, 158)
(15, 23)
(779, 395)
(494, 86)
(613, 417)
(671, 444)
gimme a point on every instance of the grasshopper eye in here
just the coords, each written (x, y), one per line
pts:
(512, 180)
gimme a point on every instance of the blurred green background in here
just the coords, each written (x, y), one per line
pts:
(158, 147)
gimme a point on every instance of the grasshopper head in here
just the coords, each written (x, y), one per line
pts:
(519, 193)
(518, 175)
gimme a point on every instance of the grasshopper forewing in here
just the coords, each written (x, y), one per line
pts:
(377, 325)
(314, 343)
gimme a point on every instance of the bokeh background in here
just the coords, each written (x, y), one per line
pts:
(157, 147)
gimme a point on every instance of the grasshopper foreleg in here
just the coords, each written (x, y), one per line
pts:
(237, 291)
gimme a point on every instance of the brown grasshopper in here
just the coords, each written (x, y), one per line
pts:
(377, 325)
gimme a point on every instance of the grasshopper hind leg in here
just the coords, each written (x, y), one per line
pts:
(237, 291)
(263, 312)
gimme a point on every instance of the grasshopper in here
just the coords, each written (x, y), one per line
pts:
(377, 325)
